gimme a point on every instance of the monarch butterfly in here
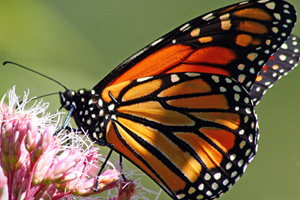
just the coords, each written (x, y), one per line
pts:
(181, 108)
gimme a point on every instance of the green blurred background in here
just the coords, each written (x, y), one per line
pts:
(78, 42)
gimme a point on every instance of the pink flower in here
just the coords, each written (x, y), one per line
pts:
(39, 165)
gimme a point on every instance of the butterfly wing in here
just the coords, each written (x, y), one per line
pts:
(234, 41)
(194, 134)
(284, 60)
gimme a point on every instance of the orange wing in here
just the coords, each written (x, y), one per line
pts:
(192, 133)
(234, 41)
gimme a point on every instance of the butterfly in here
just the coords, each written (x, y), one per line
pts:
(181, 108)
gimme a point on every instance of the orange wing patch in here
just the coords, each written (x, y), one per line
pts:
(114, 89)
(209, 155)
(188, 87)
(259, 78)
(112, 138)
(142, 90)
(222, 138)
(172, 180)
(155, 112)
(252, 27)
(206, 39)
(230, 120)
(156, 63)
(217, 101)
(207, 55)
(172, 59)
(245, 40)
(253, 13)
(185, 162)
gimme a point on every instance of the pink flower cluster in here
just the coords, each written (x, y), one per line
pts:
(38, 165)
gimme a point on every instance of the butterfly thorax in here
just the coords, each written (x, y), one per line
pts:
(89, 111)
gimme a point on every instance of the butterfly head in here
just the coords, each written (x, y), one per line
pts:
(67, 98)
(88, 112)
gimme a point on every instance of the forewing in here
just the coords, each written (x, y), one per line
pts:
(234, 41)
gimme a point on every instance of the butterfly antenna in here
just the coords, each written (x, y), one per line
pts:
(45, 95)
(47, 77)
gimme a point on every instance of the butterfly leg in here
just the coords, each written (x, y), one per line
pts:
(64, 126)
(121, 166)
(101, 169)
(67, 128)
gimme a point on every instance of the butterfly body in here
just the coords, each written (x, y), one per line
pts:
(88, 113)
(181, 109)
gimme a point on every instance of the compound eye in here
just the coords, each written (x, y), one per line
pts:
(72, 93)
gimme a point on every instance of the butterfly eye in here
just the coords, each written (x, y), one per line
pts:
(70, 93)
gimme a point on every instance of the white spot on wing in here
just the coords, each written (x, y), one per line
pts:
(263, 1)
(174, 78)
(208, 17)
(100, 103)
(111, 107)
(180, 196)
(191, 74)
(215, 78)
(277, 16)
(157, 41)
(143, 79)
(282, 57)
(271, 5)
(185, 27)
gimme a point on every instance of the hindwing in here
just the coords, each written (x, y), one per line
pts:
(193, 133)
(284, 60)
